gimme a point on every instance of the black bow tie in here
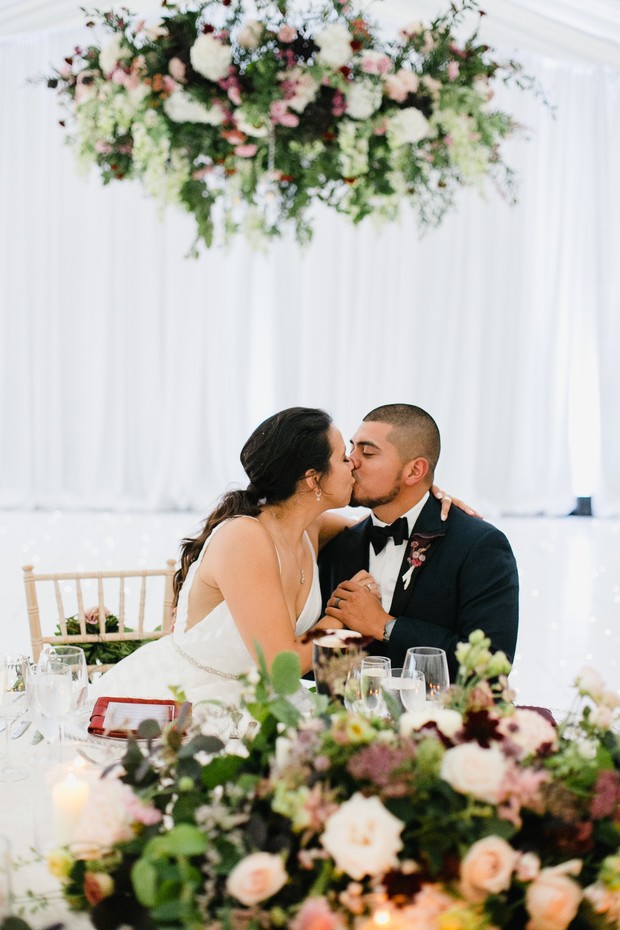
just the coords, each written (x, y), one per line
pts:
(379, 535)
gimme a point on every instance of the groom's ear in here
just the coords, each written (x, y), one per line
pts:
(415, 471)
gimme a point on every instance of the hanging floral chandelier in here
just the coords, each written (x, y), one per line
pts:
(247, 122)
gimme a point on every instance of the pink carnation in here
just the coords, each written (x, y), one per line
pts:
(246, 151)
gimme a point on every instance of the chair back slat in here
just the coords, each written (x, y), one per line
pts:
(137, 620)
(62, 620)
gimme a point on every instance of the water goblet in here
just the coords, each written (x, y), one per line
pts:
(54, 692)
(433, 663)
(74, 658)
(14, 671)
(403, 692)
(373, 670)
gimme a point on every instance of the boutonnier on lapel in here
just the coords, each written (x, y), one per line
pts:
(418, 547)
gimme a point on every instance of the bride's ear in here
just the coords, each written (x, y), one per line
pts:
(313, 481)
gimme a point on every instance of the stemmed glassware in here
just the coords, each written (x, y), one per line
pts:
(362, 692)
(61, 684)
(433, 663)
(14, 698)
(403, 692)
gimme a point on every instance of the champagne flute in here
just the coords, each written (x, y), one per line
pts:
(433, 663)
(13, 704)
(373, 670)
(403, 692)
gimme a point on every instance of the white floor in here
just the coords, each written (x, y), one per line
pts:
(569, 568)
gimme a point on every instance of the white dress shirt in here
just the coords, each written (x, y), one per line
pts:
(385, 565)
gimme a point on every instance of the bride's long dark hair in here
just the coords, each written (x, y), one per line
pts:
(275, 457)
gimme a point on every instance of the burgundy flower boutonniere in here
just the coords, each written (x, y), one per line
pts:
(419, 545)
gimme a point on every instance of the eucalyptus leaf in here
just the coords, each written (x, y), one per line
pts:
(286, 672)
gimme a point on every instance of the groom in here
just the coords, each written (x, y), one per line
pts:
(439, 581)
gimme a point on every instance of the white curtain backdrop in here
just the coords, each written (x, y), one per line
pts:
(130, 376)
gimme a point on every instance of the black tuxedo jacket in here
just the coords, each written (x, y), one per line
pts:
(468, 581)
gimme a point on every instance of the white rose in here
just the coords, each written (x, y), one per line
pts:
(249, 35)
(602, 717)
(448, 721)
(111, 53)
(363, 837)
(552, 901)
(210, 57)
(487, 868)
(256, 878)
(335, 44)
(407, 126)
(105, 820)
(183, 108)
(529, 730)
(589, 682)
(470, 769)
(363, 98)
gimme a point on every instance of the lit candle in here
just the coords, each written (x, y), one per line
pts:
(69, 798)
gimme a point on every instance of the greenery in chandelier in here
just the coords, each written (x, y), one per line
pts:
(248, 121)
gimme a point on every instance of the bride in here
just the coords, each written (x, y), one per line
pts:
(249, 579)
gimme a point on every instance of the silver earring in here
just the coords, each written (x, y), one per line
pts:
(318, 493)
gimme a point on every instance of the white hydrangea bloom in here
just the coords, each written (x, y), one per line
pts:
(363, 99)
(181, 107)
(335, 44)
(210, 57)
(407, 127)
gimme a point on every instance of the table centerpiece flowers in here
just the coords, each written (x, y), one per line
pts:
(466, 815)
(246, 118)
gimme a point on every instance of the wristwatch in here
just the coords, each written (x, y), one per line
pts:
(387, 629)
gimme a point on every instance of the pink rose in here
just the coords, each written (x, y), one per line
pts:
(287, 33)
(92, 614)
(176, 69)
(316, 914)
(398, 86)
(487, 868)
(375, 62)
(246, 151)
(257, 877)
(552, 900)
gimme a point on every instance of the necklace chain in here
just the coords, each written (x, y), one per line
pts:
(302, 574)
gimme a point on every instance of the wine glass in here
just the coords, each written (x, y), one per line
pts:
(333, 655)
(373, 670)
(433, 663)
(403, 692)
(13, 704)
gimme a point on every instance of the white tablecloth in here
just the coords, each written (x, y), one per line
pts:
(26, 820)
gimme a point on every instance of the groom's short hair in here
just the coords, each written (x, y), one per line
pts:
(414, 432)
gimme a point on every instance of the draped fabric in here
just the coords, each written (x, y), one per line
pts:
(130, 375)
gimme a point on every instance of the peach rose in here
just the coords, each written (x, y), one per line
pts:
(487, 868)
(97, 886)
(552, 900)
(257, 877)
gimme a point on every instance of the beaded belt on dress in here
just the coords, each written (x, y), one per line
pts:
(205, 668)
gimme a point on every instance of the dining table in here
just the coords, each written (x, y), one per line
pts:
(29, 817)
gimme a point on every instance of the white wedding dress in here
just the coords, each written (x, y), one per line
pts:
(205, 661)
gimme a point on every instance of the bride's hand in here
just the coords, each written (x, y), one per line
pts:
(364, 578)
(447, 501)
